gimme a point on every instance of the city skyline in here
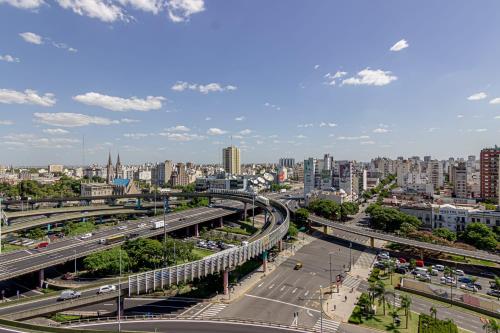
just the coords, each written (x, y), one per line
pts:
(160, 82)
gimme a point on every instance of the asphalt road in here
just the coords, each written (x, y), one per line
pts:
(189, 327)
(285, 290)
(25, 261)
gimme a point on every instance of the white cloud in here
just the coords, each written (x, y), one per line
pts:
(152, 6)
(25, 139)
(215, 131)
(204, 89)
(381, 130)
(316, 66)
(272, 106)
(129, 121)
(120, 104)
(324, 124)
(301, 136)
(371, 77)
(135, 136)
(477, 96)
(181, 10)
(29, 96)
(178, 128)
(32, 38)
(246, 132)
(495, 101)
(6, 122)
(8, 58)
(332, 78)
(182, 137)
(305, 125)
(208, 118)
(460, 115)
(402, 44)
(370, 142)
(103, 10)
(55, 131)
(432, 129)
(479, 130)
(241, 118)
(497, 117)
(351, 138)
(66, 119)
(24, 4)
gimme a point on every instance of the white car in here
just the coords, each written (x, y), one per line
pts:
(86, 236)
(142, 225)
(106, 289)
(122, 227)
(459, 272)
(438, 267)
(469, 287)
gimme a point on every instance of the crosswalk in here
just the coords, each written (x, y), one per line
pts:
(329, 326)
(351, 282)
(212, 310)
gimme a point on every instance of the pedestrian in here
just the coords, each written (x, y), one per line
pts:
(345, 298)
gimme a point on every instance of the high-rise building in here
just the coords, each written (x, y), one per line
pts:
(427, 159)
(180, 176)
(435, 174)
(231, 160)
(309, 172)
(287, 162)
(53, 168)
(345, 177)
(460, 180)
(161, 173)
(490, 171)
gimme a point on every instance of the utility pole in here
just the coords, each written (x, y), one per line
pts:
(350, 256)
(1, 222)
(75, 263)
(120, 292)
(253, 210)
(165, 207)
(321, 306)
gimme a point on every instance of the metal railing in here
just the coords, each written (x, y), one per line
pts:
(160, 278)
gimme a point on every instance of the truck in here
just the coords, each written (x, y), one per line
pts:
(112, 239)
(157, 224)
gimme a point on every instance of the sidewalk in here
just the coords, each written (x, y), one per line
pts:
(336, 306)
(250, 280)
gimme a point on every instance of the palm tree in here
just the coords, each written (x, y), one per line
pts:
(433, 312)
(380, 292)
(390, 268)
(491, 326)
(497, 284)
(405, 304)
(448, 271)
(394, 315)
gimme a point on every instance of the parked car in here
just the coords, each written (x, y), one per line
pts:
(465, 279)
(434, 272)
(424, 277)
(493, 292)
(379, 264)
(419, 263)
(468, 287)
(68, 294)
(400, 270)
(438, 267)
(447, 280)
(106, 289)
(142, 225)
(402, 260)
(458, 272)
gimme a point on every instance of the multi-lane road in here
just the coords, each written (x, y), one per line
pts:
(25, 261)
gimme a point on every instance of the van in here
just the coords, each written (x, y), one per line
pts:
(420, 270)
(438, 267)
(69, 294)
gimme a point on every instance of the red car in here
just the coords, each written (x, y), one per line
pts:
(42, 245)
(402, 260)
(419, 263)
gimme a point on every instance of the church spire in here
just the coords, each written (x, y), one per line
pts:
(109, 169)
(118, 168)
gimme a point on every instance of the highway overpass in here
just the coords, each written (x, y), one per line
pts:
(144, 282)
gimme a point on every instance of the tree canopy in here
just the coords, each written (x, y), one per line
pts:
(390, 219)
(480, 235)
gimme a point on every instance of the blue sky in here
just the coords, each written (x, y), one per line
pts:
(176, 79)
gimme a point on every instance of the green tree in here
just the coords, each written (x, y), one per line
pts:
(413, 263)
(445, 233)
(37, 233)
(292, 230)
(144, 253)
(328, 209)
(491, 326)
(106, 262)
(301, 216)
(406, 304)
(348, 208)
(407, 228)
(433, 312)
(480, 235)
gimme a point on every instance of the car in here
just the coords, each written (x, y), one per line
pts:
(434, 272)
(402, 260)
(442, 280)
(464, 279)
(438, 267)
(468, 287)
(447, 280)
(379, 264)
(493, 292)
(122, 227)
(458, 272)
(142, 225)
(297, 266)
(424, 277)
(493, 285)
(42, 245)
(69, 294)
(400, 270)
(477, 285)
(106, 289)
(419, 263)
(86, 236)
(383, 256)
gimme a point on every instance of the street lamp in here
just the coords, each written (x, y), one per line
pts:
(75, 263)
(321, 310)
(253, 210)
(1, 221)
(120, 292)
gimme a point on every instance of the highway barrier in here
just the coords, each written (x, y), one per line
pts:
(160, 278)
(51, 329)
(472, 302)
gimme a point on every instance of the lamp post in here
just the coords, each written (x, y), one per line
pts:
(75, 263)
(253, 210)
(1, 222)
(165, 207)
(120, 292)
(321, 310)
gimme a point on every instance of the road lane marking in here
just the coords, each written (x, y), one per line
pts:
(281, 302)
(282, 288)
(306, 293)
(260, 284)
(271, 286)
(293, 292)
(309, 313)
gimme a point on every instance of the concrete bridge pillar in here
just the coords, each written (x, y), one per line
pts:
(41, 277)
(225, 282)
(264, 261)
(221, 222)
(372, 242)
(421, 251)
(196, 231)
(138, 203)
(245, 211)
(280, 245)
(325, 229)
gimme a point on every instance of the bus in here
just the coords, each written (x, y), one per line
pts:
(113, 239)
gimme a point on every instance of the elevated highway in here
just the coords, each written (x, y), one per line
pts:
(372, 234)
(148, 281)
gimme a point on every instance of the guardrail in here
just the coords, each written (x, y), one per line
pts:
(165, 317)
(164, 277)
